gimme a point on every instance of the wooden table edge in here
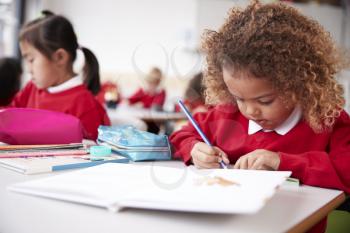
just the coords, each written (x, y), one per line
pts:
(317, 216)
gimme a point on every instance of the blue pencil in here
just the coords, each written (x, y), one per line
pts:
(195, 125)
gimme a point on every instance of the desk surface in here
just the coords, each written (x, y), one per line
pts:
(144, 114)
(292, 209)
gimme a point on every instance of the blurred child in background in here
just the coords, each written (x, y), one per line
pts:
(152, 96)
(49, 46)
(109, 95)
(10, 79)
(193, 99)
(194, 95)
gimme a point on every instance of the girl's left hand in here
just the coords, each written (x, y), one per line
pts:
(259, 160)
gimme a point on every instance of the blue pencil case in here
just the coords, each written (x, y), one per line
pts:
(134, 144)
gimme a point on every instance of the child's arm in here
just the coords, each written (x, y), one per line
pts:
(184, 140)
(22, 97)
(319, 168)
(136, 97)
(92, 118)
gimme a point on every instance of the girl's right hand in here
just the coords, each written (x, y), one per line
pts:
(204, 156)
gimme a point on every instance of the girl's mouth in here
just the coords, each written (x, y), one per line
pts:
(261, 122)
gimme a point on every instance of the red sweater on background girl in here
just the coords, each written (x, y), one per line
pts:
(147, 99)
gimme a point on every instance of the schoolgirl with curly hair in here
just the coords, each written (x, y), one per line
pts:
(271, 78)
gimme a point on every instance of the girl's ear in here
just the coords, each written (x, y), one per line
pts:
(60, 57)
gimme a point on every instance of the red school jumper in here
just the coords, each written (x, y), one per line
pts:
(77, 101)
(315, 159)
(146, 99)
(321, 159)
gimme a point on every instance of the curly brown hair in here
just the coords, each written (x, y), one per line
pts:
(275, 42)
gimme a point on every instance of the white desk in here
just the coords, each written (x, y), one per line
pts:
(291, 209)
(143, 114)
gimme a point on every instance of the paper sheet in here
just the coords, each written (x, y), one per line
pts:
(116, 186)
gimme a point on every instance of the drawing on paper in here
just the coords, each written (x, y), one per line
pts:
(215, 180)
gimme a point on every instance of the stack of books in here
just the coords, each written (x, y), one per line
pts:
(32, 159)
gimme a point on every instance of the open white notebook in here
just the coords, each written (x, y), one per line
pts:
(116, 186)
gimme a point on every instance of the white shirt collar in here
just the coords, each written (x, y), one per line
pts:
(73, 82)
(282, 129)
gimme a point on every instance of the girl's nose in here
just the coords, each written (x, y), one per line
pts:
(252, 111)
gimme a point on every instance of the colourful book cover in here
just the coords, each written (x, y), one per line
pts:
(34, 165)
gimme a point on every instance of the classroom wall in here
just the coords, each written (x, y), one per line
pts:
(131, 36)
(8, 28)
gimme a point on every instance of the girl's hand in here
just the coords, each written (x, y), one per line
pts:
(259, 160)
(204, 156)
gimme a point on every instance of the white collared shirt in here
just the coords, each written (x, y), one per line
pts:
(282, 129)
(73, 82)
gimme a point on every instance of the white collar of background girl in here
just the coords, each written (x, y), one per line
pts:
(282, 129)
(158, 90)
(73, 82)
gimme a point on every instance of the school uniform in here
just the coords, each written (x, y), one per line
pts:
(148, 100)
(317, 159)
(71, 97)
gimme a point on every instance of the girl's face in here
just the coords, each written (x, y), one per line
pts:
(257, 100)
(43, 71)
(152, 86)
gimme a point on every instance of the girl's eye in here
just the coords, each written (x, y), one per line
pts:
(265, 102)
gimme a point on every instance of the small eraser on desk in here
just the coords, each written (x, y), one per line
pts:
(100, 151)
(291, 183)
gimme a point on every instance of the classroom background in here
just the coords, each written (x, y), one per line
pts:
(130, 37)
